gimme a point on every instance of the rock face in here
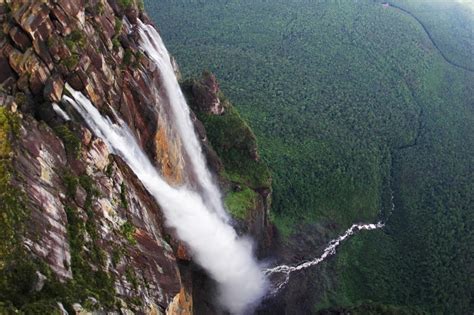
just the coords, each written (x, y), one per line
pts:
(206, 94)
(79, 228)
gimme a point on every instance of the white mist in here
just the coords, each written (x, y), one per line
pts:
(214, 244)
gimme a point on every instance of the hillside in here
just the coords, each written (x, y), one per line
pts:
(352, 103)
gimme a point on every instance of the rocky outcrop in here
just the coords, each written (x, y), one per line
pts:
(206, 94)
(93, 48)
(232, 152)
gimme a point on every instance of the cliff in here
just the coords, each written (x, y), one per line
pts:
(79, 231)
(245, 178)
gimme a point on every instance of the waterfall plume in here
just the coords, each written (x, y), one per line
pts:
(214, 244)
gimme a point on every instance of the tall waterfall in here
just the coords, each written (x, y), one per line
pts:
(152, 44)
(214, 244)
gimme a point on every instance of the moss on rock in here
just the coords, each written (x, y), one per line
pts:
(12, 212)
(71, 141)
(239, 203)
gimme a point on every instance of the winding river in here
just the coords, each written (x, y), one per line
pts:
(445, 57)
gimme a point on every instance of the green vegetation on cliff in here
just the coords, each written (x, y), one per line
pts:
(236, 145)
(12, 209)
(14, 281)
(71, 141)
(351, 100)
(20, 273)
(88, 260)
(241, 201)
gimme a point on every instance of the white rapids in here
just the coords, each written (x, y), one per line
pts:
(330, 250)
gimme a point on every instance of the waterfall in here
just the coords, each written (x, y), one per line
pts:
(330, 250)
(214, 244)
(199, 219)
(60, 112)
(152, 45)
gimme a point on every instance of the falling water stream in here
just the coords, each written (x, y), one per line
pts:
(279, 283)
(152, 44)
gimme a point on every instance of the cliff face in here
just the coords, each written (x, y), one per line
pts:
(80, 231)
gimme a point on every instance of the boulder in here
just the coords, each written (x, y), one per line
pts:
(7, 75)
(77, 80)
(71, 8)
(20, 38)
(53, 90)
(206, 95)
(34, 19)
(29, 63)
